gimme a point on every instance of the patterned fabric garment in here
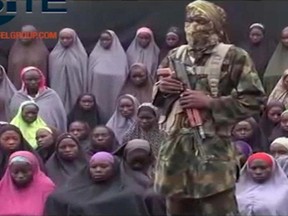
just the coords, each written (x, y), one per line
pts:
(189, 166)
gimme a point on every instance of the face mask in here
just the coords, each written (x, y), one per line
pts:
(199, 30)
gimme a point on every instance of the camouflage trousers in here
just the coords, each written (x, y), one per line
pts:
(221, 204)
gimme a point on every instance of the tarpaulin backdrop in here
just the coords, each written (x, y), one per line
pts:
(89, 18)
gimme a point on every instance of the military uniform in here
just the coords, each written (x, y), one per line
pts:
(198, 175)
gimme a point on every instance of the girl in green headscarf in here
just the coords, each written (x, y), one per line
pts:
(28, 121)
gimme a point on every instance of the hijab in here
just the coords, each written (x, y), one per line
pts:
(165, 48)
(82, 196)
(29, 200)
(51, 108)
(120, 124)
(22, 55)
(130, 176)
(280, 93)
(107, 66)
(60, 170)
(245, 148)
(283, 141)
(24, 146)
(265, 124)
(283, 163)
(149, 56)
(261, 52)
(68, 70)
(45, 152)
(154, 136)
(28, 129)
(143, 93)
(91, 117)
(7, 90)
(277, 64)
(268, 198)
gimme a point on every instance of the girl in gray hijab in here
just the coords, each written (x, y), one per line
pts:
(108, 69)
(68, 68)
(124, 116)
(7, 90)
(144, 49)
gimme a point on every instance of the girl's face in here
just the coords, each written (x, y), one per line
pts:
(260, 171)
(21, 173)
(277, 150)
(32, 80)
(66, 39)
(147, 119)
(87, 102)
(10, 140)
(101, 138)
(172, 40)
(29, 113)
(79, 130)
(68, 149)
(274, 114)
(44, 138)
(106, 40)
(256, 35)
(138, 76)
(144, 39)
(138, 159)
(126, 107)
(284, 122)
(285, 82)
(243, 130)
(101, 171)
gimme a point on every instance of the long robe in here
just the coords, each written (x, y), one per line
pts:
(21, 55)
(7, 90)
(108, 69)
(51, 108)
(68, 70)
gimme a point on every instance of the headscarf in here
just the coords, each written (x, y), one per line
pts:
(215, 13)
(154, 136)
(91, 117)
(60, 170)
(283, 141)
(68, 70)
(129, 175)
(148, 56)
(261, 52)
(93, 148)
(276, 66)
(283, 163)
(102, 156)
(28, 129)
(42, 84)
(268, 198)
(265, 124)
(29, 200)
(280, 93)
(7, 90)
(245, 148)
(143, 93)
(22, 55)
(278, 131)
(51, 108)
(107, 66)
(118, 123)
(260, 156)
(45, 152)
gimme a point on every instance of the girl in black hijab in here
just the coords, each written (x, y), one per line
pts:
(97, 190)
(67, 160)
(12, 140)
(85, 110)
(102, 138)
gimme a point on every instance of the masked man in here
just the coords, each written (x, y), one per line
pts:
(212, 86)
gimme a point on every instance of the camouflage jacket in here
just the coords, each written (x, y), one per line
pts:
(192, 167)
